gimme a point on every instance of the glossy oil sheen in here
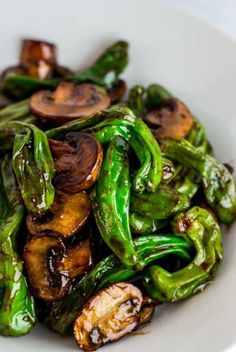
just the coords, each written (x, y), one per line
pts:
(196, 63)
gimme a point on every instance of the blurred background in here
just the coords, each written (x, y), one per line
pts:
(219, 13)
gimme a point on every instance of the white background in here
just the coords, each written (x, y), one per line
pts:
(219, 13)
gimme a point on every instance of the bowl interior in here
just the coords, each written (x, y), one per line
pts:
(195, 62)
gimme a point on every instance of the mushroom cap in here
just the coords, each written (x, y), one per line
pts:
(41, 255)
(174, 120)
(77, 161)
(67, 215)
(68, 102)
(109, 315)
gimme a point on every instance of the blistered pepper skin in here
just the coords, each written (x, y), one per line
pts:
(202, 230)
(111, 203)
(17, 312)
(218, 184)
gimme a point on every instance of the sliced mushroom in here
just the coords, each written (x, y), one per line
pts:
(41, 257)
(108, 316)
(77, 261)
(69, 102)
(117, 91)
(172, 121)
(38, 58)
(67, 215)
(77, 161)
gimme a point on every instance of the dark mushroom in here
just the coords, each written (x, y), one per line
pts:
(37, 58)
(77, 261)
(109, 315)
(67, 215)
(174, 120)
(41, 257)
(117, 91)
(68, 102)
(77, 161)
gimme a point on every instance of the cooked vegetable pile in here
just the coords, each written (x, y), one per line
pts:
(109, 205)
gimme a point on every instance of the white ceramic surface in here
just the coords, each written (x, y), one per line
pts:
(198, 64)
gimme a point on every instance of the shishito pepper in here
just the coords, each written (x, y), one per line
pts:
(218, 184)
(111, 198)
(136, 100)
(205, 234)
(34, 168)
(110, 270)
(143, 224)
(17, 314)
(159, 205)
(32, 162)
(122, 122)
(104, 71)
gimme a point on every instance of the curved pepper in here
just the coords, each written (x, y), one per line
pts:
(136, 100)
(143, 224)
(156, 96)
(111, 203)
(17, 314)
(150, 248)
(15, 111)
(159, 205)
(122, 122)
(32, 162)
(107, 67)
(218, 184)
(76, 125)
(200, 227)
(33, 165)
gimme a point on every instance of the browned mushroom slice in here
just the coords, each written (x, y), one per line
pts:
(172, 121)
(38, 58)
(67, 215)
(77, 161)
(77, 261)
(108, 316)
(69, 102)
(41, 256)
(117, 91)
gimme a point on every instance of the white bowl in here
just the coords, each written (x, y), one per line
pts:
(195, 62)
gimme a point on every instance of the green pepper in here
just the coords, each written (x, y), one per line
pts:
(17, 314)
(103, 72)
(34, 168)
(136, 100)
(197, 136)
(19, 87)
(111, 203)
(156, 96)
(15, 111)
(159, 205)
(110, 270)
(122, 122)
(204, 232)
(187, 181)
(218, 184)
(143, 224)
(107, 67)
(76, 125)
